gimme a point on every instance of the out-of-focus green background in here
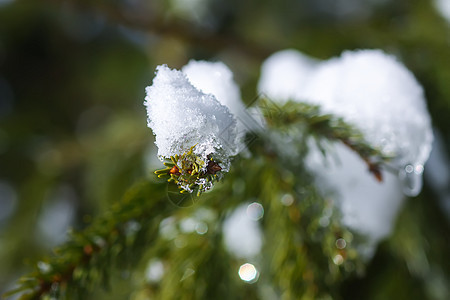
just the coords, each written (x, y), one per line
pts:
(73, 132)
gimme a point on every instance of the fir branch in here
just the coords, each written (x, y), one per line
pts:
(311, 122)
(114, 240)
(298, 247)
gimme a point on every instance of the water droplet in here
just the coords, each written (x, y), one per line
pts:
(154, 271)
(341, 243)
(409, 169)
(338, 259)
(201, 228)
(411, 179)
(418, 169)
(287, 199)
(247, 272)
(255, 211)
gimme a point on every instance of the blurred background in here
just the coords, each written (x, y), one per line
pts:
(73, 132)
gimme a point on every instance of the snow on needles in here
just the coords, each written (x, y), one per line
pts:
(217, 79)
(284, 74)
(377, 94)
(182, 116)
(368, 88)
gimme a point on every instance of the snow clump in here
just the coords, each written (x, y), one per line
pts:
(377, 94)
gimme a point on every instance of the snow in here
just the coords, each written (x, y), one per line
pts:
(359, 86)
(377, 94)
(284, 73)
(182, 116)
(217, 79)
(363, 85)
(242, 234)
(443, 7)
(366, 206)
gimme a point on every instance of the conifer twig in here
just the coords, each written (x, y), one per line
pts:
(115, 239)
(309, 118)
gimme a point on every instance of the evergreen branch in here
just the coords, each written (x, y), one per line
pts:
(115, 239)
(310, 121)
(305, 247)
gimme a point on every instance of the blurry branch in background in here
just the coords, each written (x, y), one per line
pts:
(118, 238)
(143, 19)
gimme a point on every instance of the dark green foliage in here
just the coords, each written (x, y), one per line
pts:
(116, 240)
(72, 78)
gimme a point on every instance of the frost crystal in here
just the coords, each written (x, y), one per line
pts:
(382, 98)
(181, 116)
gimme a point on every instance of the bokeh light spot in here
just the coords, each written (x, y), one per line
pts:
(338, 259)
(341, 243)
(255, 211)
(248, 273)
